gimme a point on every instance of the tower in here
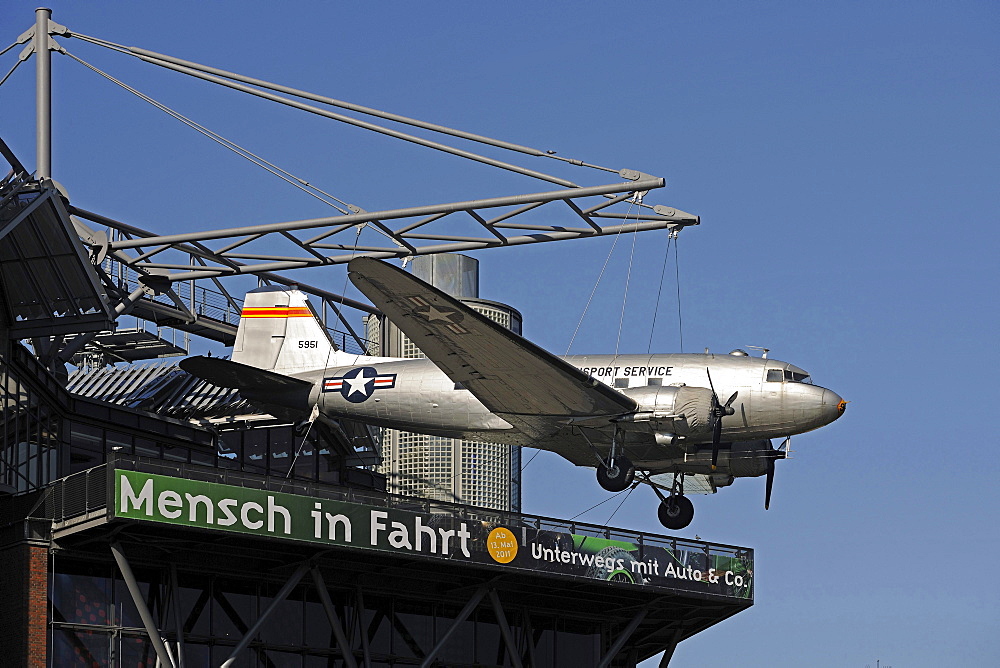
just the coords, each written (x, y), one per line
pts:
(448, 469)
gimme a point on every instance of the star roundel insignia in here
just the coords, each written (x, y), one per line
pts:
(440, 314)
(358, 384)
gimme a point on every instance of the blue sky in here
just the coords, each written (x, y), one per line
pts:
(844, 161)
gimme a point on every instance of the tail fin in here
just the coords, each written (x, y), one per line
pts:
(280, 332)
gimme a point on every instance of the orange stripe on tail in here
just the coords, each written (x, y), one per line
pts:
(277, 312)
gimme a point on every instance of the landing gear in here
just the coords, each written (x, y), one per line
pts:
(616, 477)
(616, 472)
(675, 512)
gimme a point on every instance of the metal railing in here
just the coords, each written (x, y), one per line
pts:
(74, 496)
(87, 491)
(210, 304)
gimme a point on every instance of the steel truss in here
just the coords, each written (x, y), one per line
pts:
(199, 262)
(160, 262)
(175, 659)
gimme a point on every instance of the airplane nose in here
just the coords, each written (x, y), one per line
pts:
(833, 405)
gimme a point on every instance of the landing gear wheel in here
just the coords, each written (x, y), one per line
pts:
(618, 477)
(676, 512)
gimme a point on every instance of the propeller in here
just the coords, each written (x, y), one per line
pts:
(719, 411)
(771, 455)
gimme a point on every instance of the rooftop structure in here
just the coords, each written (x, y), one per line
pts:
(146, 517)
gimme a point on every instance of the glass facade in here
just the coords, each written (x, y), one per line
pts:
(95, 623)
(47, 433)
(31, 423)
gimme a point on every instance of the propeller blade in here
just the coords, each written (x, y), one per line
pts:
(716, 437)
(769, 482)
(718, 411)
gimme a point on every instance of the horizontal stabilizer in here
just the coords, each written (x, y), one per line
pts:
(247, 379)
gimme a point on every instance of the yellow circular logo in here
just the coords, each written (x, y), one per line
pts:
(502, 545)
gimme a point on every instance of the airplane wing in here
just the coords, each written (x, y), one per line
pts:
(526, 385)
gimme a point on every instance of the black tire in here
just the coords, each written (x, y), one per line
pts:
(676, 512)
(618, 477)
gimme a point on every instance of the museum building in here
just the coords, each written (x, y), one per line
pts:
(147, 518)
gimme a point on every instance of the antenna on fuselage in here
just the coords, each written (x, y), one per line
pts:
(764, 351)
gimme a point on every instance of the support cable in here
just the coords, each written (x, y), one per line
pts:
(7, 76)
(313, 416)
(659, 291)
(628, 278)
(599, 277)
(166, 61)
(283, 174)
(531, 459)
(630, 490)
(231, 80)
(8, 48)
(677, 265)
(597, 505)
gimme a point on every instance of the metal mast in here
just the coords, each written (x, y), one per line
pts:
(43, 94)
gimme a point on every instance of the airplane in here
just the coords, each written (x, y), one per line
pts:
(654, 419)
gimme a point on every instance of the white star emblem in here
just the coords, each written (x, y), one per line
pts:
(358, 384)
(435, 314)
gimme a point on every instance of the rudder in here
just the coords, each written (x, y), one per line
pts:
(279, 331)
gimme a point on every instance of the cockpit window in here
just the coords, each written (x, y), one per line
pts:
(788, 376)
(796, 377)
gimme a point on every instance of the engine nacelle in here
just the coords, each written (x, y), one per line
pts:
(748, 459)
(742, 459)
(659, 403)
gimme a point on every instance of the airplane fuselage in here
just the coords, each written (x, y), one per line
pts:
(415, 395)
(682, 423)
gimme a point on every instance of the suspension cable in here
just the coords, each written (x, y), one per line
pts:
(191, 68)
(677, 273)
(628, 277)
(10, 47)
(283, 174)
(599, 277)
(659, 291)
(531, 459)
(630, 490)
(7, 76)
(597, 505)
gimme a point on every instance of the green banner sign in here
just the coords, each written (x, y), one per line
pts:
(204, 505)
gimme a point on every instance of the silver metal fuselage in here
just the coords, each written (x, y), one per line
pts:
(415, 395)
